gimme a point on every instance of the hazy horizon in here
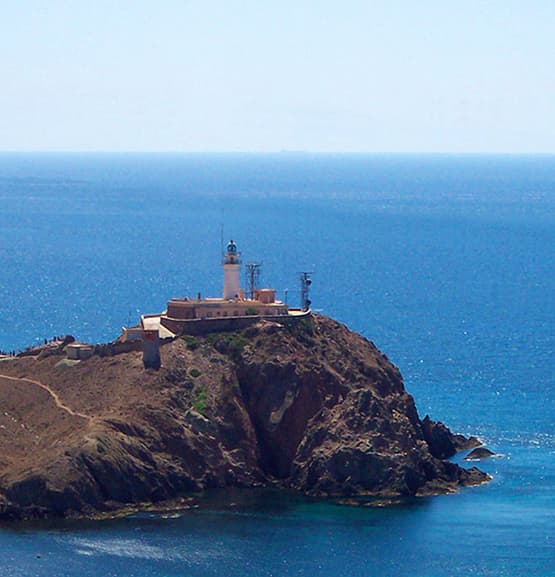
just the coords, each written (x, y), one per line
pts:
(273, 152)
(368, 77)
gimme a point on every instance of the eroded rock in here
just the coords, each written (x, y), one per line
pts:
(310, 406)
(479, 453)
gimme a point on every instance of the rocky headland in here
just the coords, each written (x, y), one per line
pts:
(309, 406)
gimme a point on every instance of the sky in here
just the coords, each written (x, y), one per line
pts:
(266, 75)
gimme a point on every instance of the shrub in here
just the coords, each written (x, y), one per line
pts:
(191, 342)
(200, 402)
(303, 326)
(303, 329)
(194, 372)
(231, 344)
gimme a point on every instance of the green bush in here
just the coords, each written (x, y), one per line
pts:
(231, 344)
(252, 312)
(194, 372)
(301, 327)
(191, 342)
(200, 402)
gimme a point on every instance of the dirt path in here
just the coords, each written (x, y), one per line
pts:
(54, 395)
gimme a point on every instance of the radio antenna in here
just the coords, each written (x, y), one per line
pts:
(253, 277)
(222, 239)
(305, 286)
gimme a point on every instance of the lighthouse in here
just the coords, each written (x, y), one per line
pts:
(232, 270)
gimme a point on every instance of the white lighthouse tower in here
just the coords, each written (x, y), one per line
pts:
(232, 270)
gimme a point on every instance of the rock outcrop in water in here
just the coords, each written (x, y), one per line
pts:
(309, 406)
(479, 453)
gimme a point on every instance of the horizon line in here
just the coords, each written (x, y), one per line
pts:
(283, 152)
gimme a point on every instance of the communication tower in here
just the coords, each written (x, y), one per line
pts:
(252, 272)
(305, 286)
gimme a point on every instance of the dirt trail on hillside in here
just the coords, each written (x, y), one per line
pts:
(54, 395)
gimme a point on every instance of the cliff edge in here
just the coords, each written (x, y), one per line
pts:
(308, 405)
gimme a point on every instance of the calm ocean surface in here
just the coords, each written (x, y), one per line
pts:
(447, 263)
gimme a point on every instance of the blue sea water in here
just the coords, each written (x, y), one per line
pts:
(445, 262)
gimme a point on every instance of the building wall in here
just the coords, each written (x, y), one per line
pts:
(131, 334)
(194, 309)
(266, 296)
(181, 309)
(79, 352)
(151, 349)
(213, 325)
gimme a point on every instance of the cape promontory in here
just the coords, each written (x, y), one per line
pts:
(306, 405)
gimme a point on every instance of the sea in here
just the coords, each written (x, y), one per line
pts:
(445, 262)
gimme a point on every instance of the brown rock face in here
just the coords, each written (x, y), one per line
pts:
(442, 443)
(479, 453)
(310, 406)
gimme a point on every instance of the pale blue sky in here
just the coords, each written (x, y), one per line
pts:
(214, 75)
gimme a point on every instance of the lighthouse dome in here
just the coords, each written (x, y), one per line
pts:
(232, 247)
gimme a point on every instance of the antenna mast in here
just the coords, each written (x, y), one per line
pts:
(253, 277)
(222, 240)
(305, 285)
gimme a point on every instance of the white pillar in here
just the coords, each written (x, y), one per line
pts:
(231, 281)
(232, 272)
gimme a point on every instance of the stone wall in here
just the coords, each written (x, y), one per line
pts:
(117, 347)
(222, 324)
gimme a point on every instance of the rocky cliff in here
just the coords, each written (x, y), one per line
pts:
(309, 406)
